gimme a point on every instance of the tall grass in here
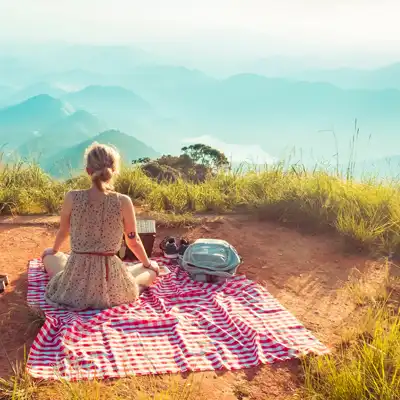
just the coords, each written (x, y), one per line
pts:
(366, 363)
(367, 367)
(366, 212)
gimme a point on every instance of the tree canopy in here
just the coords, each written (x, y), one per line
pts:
(206, 155)
(194, 164)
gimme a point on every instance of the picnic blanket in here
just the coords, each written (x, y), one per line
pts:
(177, 325)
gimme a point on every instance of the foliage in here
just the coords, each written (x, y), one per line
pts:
(206, 155)
(160, 172)
(364, 366)
(143, 160)
(197, 162)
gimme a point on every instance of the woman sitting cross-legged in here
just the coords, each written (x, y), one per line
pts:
(92, 276)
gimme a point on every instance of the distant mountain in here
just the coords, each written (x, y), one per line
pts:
(77, 79)
(119, 107)
(23, 121)
(168, 87)
(16, 71)
(35, 90)
(348, 78)
(71, 159)
(99, 99)
(124, 110)
(280, 113)
(62, 134)
(278, 66)
(26, 64)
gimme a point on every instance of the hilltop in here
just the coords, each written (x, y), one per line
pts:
(71, 159)
(62, 134)
(21, 122)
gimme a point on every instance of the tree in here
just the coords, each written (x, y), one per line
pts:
(144, 160)
(206, 155)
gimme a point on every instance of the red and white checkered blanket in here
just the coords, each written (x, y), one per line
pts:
(177, 325)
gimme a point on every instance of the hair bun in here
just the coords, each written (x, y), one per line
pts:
(103, 163)
(106, 174)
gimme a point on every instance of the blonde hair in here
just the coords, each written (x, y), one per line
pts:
(103, 162)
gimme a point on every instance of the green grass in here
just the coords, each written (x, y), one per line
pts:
(367, 213)
(367, 367)
(366, 363)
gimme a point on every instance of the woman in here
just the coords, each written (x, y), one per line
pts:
(96, 219)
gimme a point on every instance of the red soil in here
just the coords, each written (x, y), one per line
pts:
(305, 273)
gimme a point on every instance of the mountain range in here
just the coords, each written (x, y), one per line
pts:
(55, 134)
(64, 99)
(64, 133)
(23, 121)
(387, 77)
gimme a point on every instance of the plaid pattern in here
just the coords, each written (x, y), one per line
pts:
(177, 325)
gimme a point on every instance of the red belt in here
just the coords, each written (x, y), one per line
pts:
(98, 254)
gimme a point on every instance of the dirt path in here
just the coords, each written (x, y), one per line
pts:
(305, 273)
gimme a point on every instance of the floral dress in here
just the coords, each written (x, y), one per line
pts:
(94, 277)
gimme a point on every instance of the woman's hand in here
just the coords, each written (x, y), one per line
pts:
(48, 252)
(153, 265)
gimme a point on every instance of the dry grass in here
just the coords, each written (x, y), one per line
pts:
(22, 387)
(366, 364)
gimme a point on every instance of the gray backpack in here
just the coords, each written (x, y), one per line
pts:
(210, 260)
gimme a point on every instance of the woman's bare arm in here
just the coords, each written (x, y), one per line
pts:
(65, 216)
(63, 231)
(132, 238)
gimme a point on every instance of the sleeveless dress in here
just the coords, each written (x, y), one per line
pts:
(93, 280)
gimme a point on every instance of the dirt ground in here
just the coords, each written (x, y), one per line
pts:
(305, 273)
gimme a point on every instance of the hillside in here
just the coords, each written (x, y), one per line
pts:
(98, 99)
(21, 122)
(40, 88)
(387, 77)
(121, 108)
(62, 134)
(71, 159)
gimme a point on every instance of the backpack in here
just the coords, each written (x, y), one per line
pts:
(210, 260)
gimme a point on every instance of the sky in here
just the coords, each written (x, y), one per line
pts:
(294, 26)
(253, 154)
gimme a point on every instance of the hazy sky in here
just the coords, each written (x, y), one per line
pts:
(293, 25)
